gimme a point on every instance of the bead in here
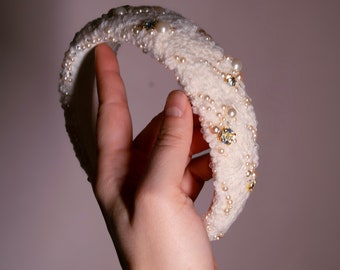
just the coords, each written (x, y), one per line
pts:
(120, 11)
(224, 187)
(236, 64)
(162, 27)
(221, 151)
(251, 185)
(229, 58)
(215, 129)
(254, 174)
(232, 112)
(247, 101)
(239, 76)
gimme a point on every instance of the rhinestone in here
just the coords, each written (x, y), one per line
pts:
(227, 136)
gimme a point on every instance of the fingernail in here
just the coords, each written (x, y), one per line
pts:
(175, 104)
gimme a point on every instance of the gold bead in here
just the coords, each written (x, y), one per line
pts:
(251, 185)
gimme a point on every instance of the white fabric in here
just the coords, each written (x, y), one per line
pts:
(201, 68)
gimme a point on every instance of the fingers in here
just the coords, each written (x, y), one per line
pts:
(114, 130)
(171, 151)
(144, 142)
(197, 173)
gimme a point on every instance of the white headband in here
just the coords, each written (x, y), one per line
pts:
(211, 80)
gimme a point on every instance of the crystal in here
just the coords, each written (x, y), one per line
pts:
(227, 136)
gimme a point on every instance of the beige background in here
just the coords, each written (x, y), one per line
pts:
(290, 50)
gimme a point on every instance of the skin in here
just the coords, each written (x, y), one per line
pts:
(146, 187)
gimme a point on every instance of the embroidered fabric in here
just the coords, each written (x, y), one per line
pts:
(211, 80)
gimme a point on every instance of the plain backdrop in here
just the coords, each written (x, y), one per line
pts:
(290, 51)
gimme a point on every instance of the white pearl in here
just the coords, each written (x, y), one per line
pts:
(120, 11)
(162, 27)
(232, 112)
(216, 129)
(236, 64)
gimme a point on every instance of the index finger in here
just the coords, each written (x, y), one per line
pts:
(114, 128)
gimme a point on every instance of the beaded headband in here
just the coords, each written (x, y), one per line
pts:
(211, 80)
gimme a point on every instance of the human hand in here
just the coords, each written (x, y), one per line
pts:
(146, 187)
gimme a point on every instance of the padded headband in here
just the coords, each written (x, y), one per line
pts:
(211, 80)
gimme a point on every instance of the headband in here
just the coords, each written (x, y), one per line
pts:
(211, 80)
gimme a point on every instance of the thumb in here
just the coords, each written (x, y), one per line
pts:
(171, 151)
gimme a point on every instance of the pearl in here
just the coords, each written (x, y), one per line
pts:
(221, 151)
(120, 11)
(254, 175)
(232, 112)
(236, 64)
(239, 76)
(215, 129)
(162, 27)
(247, 101)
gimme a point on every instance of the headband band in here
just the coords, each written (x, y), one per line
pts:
(211, 80)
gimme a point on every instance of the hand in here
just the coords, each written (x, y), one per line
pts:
(146, 187)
